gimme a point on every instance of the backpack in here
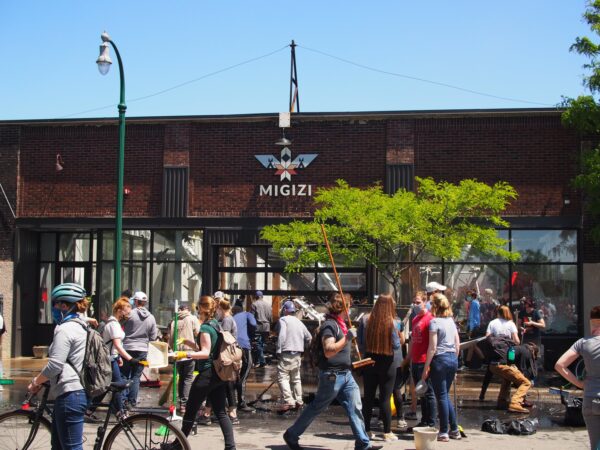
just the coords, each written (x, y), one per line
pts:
(96, 373)
(228, 360)
(315, 350)
(495, 348)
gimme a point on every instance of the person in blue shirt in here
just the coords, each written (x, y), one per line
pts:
(246, 326)
(474, 314)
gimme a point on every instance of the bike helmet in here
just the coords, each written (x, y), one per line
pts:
(68, 293)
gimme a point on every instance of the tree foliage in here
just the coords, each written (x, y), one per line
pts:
(392, 231)
(583, 114)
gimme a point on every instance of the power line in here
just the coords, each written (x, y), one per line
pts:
(185, 83)
(437, 83)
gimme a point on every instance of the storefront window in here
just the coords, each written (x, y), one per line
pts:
(242, 257)
(74, 247)
(46, 285)
(173, 281)
(554, 289)
(545, 245)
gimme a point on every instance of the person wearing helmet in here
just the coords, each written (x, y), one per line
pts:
(140, 329)
(65, 359)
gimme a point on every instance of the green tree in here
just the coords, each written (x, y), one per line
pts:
(392, 231)
(583, 114)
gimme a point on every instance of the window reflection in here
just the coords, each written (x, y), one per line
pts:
(545, 245)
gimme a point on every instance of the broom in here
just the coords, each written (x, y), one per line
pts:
(361, 362)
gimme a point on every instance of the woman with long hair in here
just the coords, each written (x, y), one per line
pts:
(207, 384)
(442, 363)
(228, 324)
(379, 337)
(113, 336)
(503, 325)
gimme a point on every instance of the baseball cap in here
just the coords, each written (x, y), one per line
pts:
(488, 291)
(218, 294)
(434, 286)
(259, 293)
(140, 296)
(184, 305)
(289, 306)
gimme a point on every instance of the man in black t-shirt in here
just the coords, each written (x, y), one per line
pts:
(335, 380)
(531, 323)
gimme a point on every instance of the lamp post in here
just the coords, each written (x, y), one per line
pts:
(104, 63)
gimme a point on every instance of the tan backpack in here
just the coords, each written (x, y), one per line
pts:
(227, 360)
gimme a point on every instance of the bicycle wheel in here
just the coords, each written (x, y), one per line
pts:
(15, 427)
(146, 432)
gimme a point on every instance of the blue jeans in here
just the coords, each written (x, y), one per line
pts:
(443, 370)
(261, 340)
(67, 421)
(428, 411)
(332, 385)
(133, 372)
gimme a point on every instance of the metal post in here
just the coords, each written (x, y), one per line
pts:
(120, 176)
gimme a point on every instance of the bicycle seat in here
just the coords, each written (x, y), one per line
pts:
(118, 386)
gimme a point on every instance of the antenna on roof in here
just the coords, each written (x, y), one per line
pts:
(294, 96)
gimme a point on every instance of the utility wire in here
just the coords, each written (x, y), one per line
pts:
(437, 83)
(185, 83)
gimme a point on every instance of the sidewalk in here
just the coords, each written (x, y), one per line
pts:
(331, 430)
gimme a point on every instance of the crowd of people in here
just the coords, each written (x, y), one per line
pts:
(427, 366)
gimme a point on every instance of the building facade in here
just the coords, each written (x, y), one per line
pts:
(199, 189)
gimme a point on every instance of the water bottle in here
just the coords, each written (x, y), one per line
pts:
(511, 354)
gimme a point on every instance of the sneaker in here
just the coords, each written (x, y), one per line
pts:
(443, 437)
(203, 420)
(371, 435)
(411, 415)
(526, 404)
(389, 437)
(516, 408)
(402, 424)
(122, 415)
(246, 408)
(455, 435)
(288, 441)
(90, 417)
(234, 420)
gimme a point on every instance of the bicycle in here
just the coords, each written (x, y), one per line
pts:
(29, 429)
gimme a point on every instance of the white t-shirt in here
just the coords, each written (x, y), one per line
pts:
(502, 327)
(112, 330)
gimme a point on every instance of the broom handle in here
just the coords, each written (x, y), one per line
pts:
(339, 284)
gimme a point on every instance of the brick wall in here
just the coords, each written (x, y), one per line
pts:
(9, 145)
(534, 154)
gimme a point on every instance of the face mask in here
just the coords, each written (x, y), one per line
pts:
(57, 316)
(131, 302)
(417, 308)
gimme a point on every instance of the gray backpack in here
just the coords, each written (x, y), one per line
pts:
(96, 373)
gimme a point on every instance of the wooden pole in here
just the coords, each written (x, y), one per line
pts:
(361, 362)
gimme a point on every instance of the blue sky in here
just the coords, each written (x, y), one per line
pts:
(517, 49)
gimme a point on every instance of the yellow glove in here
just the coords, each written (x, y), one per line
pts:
(180, 355)
(180, 341)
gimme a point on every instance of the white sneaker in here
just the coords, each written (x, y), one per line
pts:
(402, 424)
(372, 436)
(389, 437)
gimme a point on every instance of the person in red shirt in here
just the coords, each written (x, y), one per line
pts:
(417, 355)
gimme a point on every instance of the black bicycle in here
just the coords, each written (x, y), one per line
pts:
(29, 428)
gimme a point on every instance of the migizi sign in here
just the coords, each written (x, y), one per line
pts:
(285, 167)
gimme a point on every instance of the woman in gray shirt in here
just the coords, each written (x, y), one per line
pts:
(442, 363)
(65, 360)
(589, 349)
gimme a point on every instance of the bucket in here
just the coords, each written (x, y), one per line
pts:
(425, 438)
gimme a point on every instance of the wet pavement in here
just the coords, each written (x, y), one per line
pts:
(263, 428)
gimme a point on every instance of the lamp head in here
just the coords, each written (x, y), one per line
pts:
(104, 60)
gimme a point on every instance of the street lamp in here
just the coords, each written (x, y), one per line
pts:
(104, 63)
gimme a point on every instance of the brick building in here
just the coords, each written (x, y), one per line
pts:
(199, 196)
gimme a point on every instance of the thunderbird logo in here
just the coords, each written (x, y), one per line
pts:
(285, 167)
